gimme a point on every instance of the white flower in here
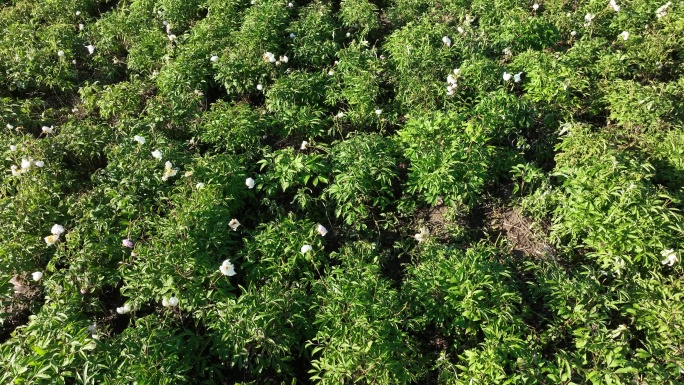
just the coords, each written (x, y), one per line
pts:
(306, 248)
(48, 130)
(378, 111)
(227, 268)
(662, 11)
(173, 301)
(456, 71)
(516, 77)
(260, 87)
(78, 13)
(446, 41)
(339, 114)
(348, 34)
(573, 33)
(25, 165)
(331, 73)
(269, 57)
(39, 163)
(37, 275)
(535, 6)
(9, 126)
(199, 185)
(234, 224)
(139, 139)
(60, 53)
(460, 30)
(451, 79)
(422, 235)
(15, 170)
(614, 5)
(616, 333)
(57, 229)
(120, 310)
(165, 302)
(670, 257)
(450, 91)
(321, 230)
(127, 308)
(292, 35)
(51, 239)
(507, 51)
(624, 35)
(157, 154)
(188, 174)
(304, 145)
(214, 58)
(172, 37)
(284, 59)
(249, 182)
(169, 171)
(90, 48)
(80, 27)
(588, 18)
(507, 76)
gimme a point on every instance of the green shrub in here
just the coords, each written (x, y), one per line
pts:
(359, 335)
(449, 158)
(365, 175)
(421, 63)
(275, 252)
(235, 128)
(356, 85)
(314, 43)
(606, 204)
(462, 293)
(261, 331)
(287, 169)
(296, 102)
(361, 15)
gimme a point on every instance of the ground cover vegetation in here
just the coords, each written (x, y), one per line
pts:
(338, 192)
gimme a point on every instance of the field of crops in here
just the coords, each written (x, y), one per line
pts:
(341, 192)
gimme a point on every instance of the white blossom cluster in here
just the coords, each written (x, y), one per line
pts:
(56, 231)
(662, 11)
(670, 257)
(270, 58)
(614, 5)
(25, 165)
(452, 82)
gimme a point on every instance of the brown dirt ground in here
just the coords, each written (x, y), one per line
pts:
(525, 239)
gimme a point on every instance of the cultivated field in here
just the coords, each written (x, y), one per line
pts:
(341, 192)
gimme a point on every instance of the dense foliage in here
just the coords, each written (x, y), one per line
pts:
(371, 192)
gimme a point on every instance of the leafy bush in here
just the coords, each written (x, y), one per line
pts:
(449, 158)
(462, 293)
(356, 85)
(359, 335)
(607, 205)
(364, 171)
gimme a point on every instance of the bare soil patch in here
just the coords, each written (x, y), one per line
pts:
(520, 232)
(21, 306)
